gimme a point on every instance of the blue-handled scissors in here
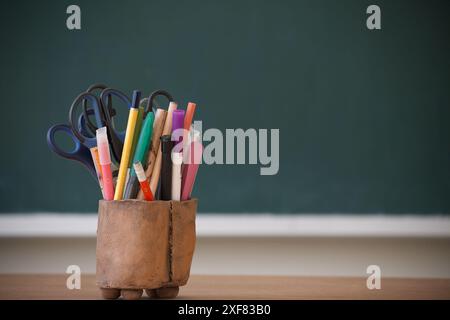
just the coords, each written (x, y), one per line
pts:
(82, 124)
(80, 153)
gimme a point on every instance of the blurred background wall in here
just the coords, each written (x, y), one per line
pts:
(363, 118)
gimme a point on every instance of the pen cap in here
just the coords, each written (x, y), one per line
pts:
(177, 119)
(140, 173)
(103, 146)
(166, 144)
(177, 125)
(136, 99)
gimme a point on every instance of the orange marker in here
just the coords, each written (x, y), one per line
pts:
(143, 181)
(189, 116)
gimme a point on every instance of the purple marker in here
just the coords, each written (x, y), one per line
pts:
(177, 123)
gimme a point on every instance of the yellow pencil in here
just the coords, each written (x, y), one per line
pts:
(126, 152)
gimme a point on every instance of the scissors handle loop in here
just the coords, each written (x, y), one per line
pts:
(99, 117)
(151, 99)
(80, 153)
(92, 88)
(105, 100)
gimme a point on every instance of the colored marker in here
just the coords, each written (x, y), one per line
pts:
(190, 110)
(166, 168)
(143, 181)
(186, 151)
(177, 123)
(98, 168)
(177, 159)
(126, 152)
(189, 174)
(105, 163)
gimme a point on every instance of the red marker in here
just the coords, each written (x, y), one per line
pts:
(105, 163)
(143, 181)
(194, 155)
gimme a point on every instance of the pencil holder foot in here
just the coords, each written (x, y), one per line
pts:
(144, 245)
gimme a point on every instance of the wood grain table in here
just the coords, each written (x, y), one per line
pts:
(238, 287)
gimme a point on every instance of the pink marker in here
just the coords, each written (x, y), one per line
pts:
(191, 168)
(105, 162)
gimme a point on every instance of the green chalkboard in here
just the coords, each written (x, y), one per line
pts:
(363, 114)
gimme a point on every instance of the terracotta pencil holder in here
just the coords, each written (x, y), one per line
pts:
(144, 245)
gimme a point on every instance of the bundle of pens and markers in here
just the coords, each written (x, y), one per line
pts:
(160, 149)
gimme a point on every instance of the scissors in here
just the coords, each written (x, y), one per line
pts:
(87, 112)
(103, 113)
(115, 137)
(81, 130)
(80, 153)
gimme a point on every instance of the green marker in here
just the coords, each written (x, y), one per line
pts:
(140, 154)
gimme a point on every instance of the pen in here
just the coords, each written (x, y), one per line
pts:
(105, 163)
(166, 168)
(143, 181)
(126, 152)
(137, 130)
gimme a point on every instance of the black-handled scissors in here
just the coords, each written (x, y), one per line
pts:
(151, 100)
(83, 132)
(103, 115)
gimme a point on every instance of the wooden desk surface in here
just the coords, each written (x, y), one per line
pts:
(238, 287)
